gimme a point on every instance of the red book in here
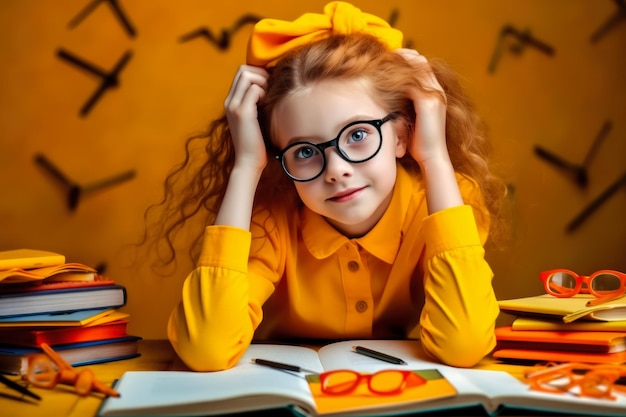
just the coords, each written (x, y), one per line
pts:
(33, 337)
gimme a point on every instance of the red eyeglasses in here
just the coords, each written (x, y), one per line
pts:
(605, 285)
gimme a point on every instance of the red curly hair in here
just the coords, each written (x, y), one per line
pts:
(195, 189)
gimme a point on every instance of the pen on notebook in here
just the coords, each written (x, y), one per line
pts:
(378, 355)
(283, 366)
(17, 387)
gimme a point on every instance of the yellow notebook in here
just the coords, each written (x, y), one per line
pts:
(530, 323)
(29, 258)
(567, 309)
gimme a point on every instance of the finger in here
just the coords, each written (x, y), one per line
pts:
(412, 56)
(245, 77)
(242, 82)
(418, 60)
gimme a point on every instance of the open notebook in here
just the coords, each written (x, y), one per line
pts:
(249, 386)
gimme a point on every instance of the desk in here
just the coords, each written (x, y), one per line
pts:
(62, 402)
(155, 355)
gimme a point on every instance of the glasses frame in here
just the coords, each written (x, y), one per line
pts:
(83, 381)
(409, 379)
(377, 123)
(584, 279)
(597, 381)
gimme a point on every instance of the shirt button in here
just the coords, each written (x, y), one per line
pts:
(361, 306)
(353, 266)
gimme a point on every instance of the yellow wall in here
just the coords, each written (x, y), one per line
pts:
(170, 89)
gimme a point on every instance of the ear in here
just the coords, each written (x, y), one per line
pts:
(401, 146)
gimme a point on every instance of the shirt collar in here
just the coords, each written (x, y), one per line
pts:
(383, 241)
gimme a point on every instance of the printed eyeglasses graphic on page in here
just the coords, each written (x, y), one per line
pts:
(357, 142)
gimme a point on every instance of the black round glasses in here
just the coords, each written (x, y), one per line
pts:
(356, 142)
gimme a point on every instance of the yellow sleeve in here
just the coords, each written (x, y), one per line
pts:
(214, 322)
(460, 308)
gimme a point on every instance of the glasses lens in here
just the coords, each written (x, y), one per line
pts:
(339, 382)
(303, 161)
(41, 372)
(605, 284)
(597, 384)
(562, 283)
(387, 382)
(359, 142)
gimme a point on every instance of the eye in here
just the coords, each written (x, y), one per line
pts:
(358, 135)
(304, 152)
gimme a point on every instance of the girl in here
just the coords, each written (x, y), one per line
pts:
(348, 196)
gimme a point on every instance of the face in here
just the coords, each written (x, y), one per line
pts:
(351, 196)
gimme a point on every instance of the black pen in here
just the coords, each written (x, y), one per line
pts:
(17, 387)
(283, 366)
(378, 355)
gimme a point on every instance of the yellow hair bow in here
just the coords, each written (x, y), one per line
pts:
(271, 38)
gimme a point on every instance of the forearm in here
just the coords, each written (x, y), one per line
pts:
(209, 335)
(442, 189)
(457, 325)
(236, 207)
(215, 320)
(458, 318)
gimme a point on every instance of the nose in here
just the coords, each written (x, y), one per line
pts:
(336, 166)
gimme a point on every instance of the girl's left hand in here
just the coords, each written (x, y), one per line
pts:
(429, 138)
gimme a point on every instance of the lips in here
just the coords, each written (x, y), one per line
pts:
(346, 195)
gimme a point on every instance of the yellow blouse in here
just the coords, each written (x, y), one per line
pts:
(293, 275)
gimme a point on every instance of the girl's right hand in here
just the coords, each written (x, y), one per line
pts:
(248, 88)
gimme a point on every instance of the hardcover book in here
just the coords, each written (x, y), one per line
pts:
(65, 319)
(592, 342)
(13, 304)
(13, 360)
(34, 337)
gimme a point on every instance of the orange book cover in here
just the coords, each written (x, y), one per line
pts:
(30, 337)
(536, 355)
(578, 341)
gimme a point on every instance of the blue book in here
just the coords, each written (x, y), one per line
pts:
(69, 319)
(61, 300)
(13, 360)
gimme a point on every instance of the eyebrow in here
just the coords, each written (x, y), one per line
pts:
(353, 119)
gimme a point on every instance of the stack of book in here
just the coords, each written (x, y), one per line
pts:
(551, 329)
(69, 306)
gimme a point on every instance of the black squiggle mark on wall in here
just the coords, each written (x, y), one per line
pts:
(393, 19)
(618, 17)
(577, 171)
(110, 79)
(74, 190)
(522, 40)
(115, 8)
(222, 41)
